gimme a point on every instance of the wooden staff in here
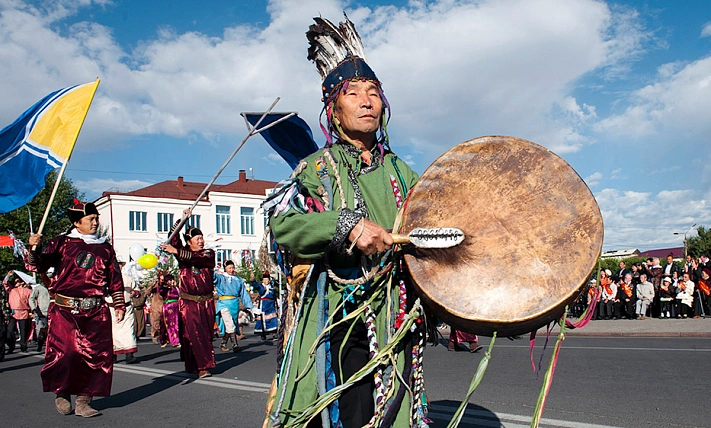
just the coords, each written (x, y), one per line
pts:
(252, 131)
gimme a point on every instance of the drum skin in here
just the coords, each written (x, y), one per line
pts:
(533, 234)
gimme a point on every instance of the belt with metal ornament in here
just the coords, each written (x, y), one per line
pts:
(78, 303)
(196, 298)
(227, 297)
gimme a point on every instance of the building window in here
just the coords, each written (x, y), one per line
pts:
(193, 221)
(164, 221)
(221, 256)
(137, 221)
(223, 219)
(246, 216)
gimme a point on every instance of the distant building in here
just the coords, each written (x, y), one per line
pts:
(228, 215)
(677, 252)
(620, 254)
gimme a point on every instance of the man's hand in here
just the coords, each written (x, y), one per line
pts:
(168, 248)
(35, 239)
(370, 237)
(120, 314)
(186, 213)
(251, 276)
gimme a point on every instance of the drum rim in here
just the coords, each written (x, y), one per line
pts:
(541, 317)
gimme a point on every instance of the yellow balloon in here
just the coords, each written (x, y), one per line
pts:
(148, 261)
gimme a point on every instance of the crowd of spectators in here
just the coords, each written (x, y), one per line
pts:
(651, 289)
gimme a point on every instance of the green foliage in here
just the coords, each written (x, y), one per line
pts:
(57, 221)
(701, 244)
(171, 267)
(245, 271)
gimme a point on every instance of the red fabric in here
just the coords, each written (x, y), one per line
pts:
(98, 275)
(6, 241)
(196, 318)
(79, 356)
(79, 349)
(458, 336)
(19, 301)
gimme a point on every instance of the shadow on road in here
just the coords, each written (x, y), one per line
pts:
(442, 411)
(138, 393)
(21, 366)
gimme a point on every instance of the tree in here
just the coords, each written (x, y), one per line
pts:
(57, 221)
(701, 244)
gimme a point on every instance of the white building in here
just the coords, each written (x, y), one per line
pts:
(229, 215)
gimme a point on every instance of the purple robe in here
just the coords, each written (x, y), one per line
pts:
(197, 319)
(171, 317)
(79, 354)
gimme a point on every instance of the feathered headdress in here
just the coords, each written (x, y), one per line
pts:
(339, 57)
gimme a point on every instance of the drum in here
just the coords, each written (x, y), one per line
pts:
(533, 234)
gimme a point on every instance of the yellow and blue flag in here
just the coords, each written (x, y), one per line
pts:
(39, 141)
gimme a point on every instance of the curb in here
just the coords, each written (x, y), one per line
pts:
(583, 333)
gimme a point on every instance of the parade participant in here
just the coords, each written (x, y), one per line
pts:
(158, 333)
(685, 295)
(5, 314)
(351, 192)
(267, 320)
(645, 296)
(171, 312)
(197, 309)
(39, 304)
(457, 337)
(139, 296)
(231, 291)
(123, 332)
(78, 356)
(19, 299)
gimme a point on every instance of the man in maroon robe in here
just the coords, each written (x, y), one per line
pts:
(79, 354)
(197, 307)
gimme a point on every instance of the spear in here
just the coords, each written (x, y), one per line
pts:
(253, 130)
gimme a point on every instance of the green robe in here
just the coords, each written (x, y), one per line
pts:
(309, 235)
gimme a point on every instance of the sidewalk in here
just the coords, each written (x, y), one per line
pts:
(650, 327)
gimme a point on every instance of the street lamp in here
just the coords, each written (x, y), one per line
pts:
(687, 231)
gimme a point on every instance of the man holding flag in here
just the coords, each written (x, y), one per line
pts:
(79, 355)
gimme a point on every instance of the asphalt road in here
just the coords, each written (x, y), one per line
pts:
(621, 382)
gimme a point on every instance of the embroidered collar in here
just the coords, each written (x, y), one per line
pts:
(355, 153)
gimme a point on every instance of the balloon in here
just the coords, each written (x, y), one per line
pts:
(148, 261)
(136, 251)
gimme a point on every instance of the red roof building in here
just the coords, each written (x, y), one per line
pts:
(229, 215)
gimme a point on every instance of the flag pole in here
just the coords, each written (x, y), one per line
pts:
(252, 131)
(64, 165)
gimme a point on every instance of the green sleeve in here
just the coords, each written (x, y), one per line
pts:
(306, 235)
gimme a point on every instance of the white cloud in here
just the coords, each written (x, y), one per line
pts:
(94, 187)
(676, 106)
(593, 179)
(480, 68)
(644, 220)
(706, 31)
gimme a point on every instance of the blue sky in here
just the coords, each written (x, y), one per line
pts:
(620, 90)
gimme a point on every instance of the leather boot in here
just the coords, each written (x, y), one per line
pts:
(223, 344)
(84, 409)
(64, 403)
(235, 346)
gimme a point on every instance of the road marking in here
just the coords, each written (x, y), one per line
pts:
(615, 348)
(486, 418)
(219, 382)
